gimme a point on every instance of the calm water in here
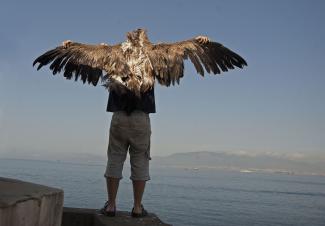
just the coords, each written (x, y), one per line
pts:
(189, 197)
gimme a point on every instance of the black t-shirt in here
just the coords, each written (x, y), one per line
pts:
(129, 102)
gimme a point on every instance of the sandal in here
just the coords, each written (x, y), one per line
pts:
(138, 215)
(107, 213)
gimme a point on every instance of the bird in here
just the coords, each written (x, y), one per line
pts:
(135, 64)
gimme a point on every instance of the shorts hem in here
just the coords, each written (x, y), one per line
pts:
(142, 179)
(112, 176)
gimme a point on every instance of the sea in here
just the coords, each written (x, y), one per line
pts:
(188, 196)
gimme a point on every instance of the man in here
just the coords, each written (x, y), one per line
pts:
(130, 130)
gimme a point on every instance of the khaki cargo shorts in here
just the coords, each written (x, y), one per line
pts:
(129, 133)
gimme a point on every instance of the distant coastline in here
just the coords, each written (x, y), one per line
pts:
(259, 163)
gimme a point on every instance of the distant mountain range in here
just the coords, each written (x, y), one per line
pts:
(243, 162)
(240, 161)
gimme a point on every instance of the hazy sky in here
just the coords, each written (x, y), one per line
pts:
(276, 104)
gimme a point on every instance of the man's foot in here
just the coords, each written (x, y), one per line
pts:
(108, 210)
(141, 213)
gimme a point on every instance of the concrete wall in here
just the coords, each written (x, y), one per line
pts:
(28, 204)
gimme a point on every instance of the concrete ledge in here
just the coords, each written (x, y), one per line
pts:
(90, 217)
(28, 204)
(78, 217)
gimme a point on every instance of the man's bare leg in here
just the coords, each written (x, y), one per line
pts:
(112, 187)
(138, 189)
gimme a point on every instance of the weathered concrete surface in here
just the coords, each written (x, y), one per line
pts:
(28, 204)
(91, 217)
(78, 217)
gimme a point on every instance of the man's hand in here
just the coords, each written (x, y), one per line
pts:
(202, 39)
(66, 43)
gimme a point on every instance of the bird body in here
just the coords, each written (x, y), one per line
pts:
(136, 63)
(139, 65)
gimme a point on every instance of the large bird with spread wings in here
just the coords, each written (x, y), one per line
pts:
(136, 63)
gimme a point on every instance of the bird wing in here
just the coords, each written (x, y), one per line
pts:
(167, 60)
(84, 61)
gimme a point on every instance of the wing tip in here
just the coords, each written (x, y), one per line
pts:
(35, 61)
(39, 66)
